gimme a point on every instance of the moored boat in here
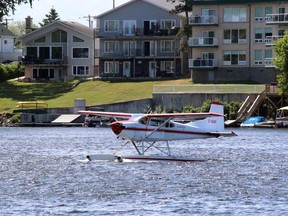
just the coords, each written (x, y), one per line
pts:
(282, 117)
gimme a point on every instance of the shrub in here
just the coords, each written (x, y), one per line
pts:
(10, 71)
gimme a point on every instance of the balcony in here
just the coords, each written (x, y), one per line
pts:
(202, 63)
(271, 40)
(203, 20)
(137, 53)
(26, 60)
(132, 32)
(277, 18)
(203, 42)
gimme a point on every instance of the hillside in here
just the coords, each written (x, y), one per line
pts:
(61, 95)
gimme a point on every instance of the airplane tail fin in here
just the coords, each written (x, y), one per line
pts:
(213, 123)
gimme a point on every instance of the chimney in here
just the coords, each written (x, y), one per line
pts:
(28, 27)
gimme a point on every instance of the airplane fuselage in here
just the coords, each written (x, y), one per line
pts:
(136, 131)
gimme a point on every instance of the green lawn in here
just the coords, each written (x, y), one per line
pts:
(60, 95)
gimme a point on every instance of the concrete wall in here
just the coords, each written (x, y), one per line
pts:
(176, 101)
(171, 102)
(138, 106)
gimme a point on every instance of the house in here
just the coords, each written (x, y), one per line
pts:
(7, 51)
(233, 40)
(58, 51)
(138, 39)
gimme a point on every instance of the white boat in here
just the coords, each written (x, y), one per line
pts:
(282, 117)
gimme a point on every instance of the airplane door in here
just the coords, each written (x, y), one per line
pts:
(158, 134)
(126, 69)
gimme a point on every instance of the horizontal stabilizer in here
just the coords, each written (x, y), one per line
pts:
(226, 134)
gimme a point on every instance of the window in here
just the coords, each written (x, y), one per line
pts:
(235, 15)
(80, 70)
(31, 52)
(207, 55)
(268, 58)
(166, 46)
(80, 52)
(129, 27)
(111, 25)
(167, 66)
(129, 48)
(77, 39)
(167, 23)
(234, 57)
(258, 14)
(258, 36)
(234, 36)
(59, 36)
(56, 52)
(111, 46)
(43, 73)
(111, 67)
(208, 15)
(268, 33)
(51, 73)
(268, 13)
(258, 57)
(40, 40)
(44, 52)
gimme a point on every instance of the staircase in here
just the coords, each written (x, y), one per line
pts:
(248, 107)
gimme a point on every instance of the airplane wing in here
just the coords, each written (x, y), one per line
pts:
(107, 114)
(184, 116)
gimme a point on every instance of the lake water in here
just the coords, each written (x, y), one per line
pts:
(41, 173)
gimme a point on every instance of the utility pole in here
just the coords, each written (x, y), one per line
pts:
(6, 22)
(113, 4)
(89, 20)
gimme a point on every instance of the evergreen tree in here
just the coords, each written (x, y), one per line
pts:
(7, 6)
(52, 16)
(281, 63)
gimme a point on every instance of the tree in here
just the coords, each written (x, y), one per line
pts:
(185, 31)
(52, 16)
(18, 29)
(7, 6)
(281, 63)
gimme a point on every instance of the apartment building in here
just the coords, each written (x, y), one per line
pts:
(138, 39)
(233, 40)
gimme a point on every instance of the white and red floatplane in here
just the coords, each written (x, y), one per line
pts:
(146, 131)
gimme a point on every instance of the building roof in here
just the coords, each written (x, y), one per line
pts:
(213, 2)
(163, 4)
(5, 32)
(69, 24)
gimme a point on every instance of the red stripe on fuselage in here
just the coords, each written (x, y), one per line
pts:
(173, 131)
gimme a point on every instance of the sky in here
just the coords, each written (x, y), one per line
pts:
(68, 10)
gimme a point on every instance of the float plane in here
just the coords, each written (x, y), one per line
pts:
(147, 131)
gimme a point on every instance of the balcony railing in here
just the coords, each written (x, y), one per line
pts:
(101, 53)
(277, 18)
(203, 42)
(269, 62)
(202, 63)
(203, 20)
(44, 62)
(131, 32)
(271, 40)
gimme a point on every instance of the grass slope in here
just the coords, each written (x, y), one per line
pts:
(60, 95)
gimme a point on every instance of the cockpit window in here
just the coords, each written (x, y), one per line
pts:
(143, 120)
